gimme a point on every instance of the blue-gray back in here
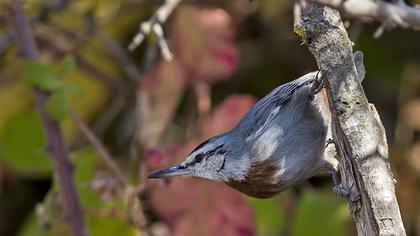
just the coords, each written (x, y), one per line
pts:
(269, 105)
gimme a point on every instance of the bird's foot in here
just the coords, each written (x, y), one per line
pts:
(317, 86)
(344, 190)
(329, 142)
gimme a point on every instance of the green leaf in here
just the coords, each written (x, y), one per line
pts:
(85, 163)
(57, 105)
(103, 217)
(22, 146)
(321, 213)
(30, 227)
(72, 89)
(66, 65)
(97, 225)
(268, 215)
(108, 226)
(39, 75)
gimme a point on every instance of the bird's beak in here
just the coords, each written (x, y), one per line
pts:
(171, 171)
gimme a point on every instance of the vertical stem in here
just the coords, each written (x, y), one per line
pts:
(56, 146)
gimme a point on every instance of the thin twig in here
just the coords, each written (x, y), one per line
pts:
(154, 24)
(56, 145)
(109, 115)
(111, 82)
(390, 14)
(119, 53)
(113, 48)
(103, 152)
(130, 191)
(7, 39)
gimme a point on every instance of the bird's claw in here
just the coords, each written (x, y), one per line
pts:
(317, 86)
(329, 141)
(348, 192)
(344, 190)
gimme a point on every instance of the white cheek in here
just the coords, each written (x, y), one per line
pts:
(208, 169)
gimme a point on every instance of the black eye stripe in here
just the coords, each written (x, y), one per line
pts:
(199, 158)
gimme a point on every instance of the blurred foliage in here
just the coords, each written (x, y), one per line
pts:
(47, 78)
(104, 208)
(269, 222)
(151, 113)
(23, 146)
(321, 213)
(106, 226)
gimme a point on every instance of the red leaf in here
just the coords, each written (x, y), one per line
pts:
(155, 158)
(216, 210)
(158, 96)
(226, 115)
(203, 41)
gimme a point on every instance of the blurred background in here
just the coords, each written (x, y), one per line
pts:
(150, 113)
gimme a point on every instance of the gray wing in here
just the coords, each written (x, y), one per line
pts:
(268, 107)
(283, 93)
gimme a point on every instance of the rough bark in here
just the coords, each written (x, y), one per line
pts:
(357, 129)
(392, 13)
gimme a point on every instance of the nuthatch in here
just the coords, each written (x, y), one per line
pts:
(279, 143)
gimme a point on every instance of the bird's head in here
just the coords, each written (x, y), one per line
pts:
(215, 159)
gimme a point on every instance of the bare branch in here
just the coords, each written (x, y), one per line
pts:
(106, 156)
(120, 54)
(357, 129)
(154, 24)
(389, 14)
(130, 192)
(112, 47)
(56, 144)
(166, 53)
(111, 82)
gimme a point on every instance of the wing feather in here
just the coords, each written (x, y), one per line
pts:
(268, 107)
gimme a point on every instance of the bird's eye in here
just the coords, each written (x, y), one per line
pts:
(199, 158)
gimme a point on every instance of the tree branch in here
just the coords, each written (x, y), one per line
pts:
(130, 192)
(56, 146)
(392, 14)
(357, 130)
(111, 82)
(106, 156)
(120, 54)
(154, 24)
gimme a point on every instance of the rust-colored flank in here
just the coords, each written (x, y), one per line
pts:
(259, 181)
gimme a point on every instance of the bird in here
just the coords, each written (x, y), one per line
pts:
(279, 143)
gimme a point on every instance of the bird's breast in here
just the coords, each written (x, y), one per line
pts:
(260, 181)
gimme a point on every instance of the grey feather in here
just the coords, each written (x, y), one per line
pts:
(279, 143)
(258, 115)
